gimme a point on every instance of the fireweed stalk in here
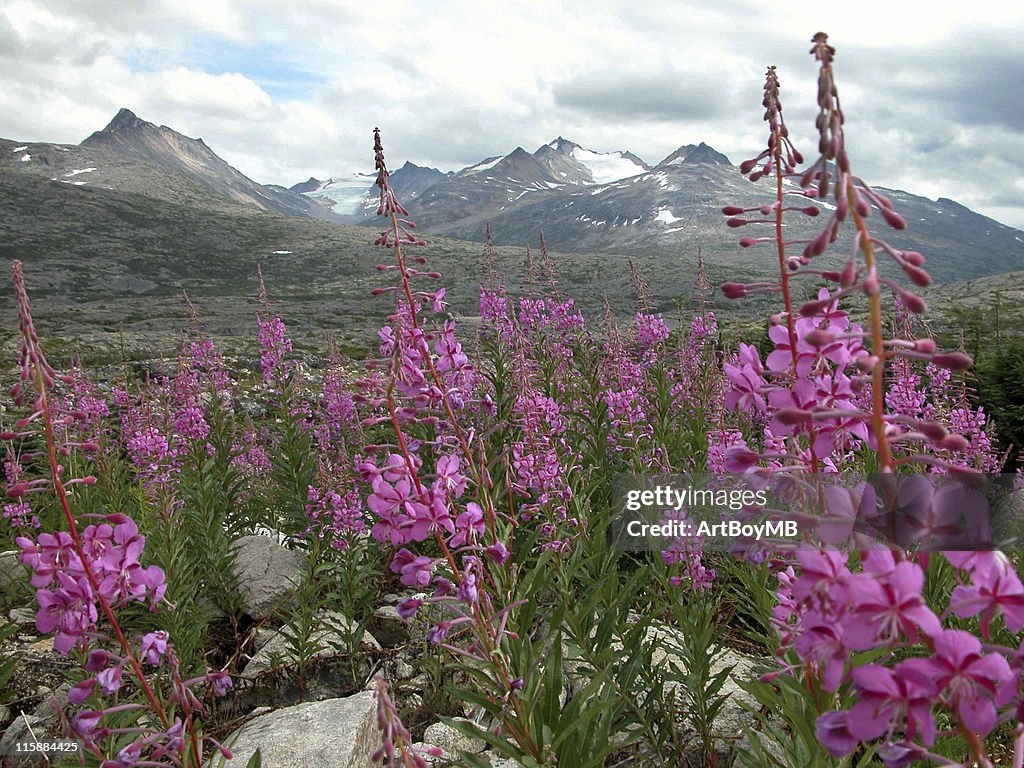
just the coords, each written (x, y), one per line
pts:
(427, 381)
(396, 750)
(823, 391)
(83, 574)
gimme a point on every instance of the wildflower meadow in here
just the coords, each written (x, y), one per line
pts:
(452, 510)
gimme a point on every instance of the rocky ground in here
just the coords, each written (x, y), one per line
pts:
(330, 720)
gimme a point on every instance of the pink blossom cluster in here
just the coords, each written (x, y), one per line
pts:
(154, 745)
(67, 588)
(833, 394)
(275, 346)
(334, 514)
(827, 612)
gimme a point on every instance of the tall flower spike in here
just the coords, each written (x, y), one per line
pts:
(32, 362)
(389, 205)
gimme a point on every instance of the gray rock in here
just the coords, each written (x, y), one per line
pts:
(24, 728)
(277, 645)
(453, 742)
(267, 572)
(404, 670)
(498, 761)
(52, 702)
(390, 628)
(22, 616)
(14, 576)
(336, 733)
(263, 636)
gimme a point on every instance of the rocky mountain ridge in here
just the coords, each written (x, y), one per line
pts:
(112, 231)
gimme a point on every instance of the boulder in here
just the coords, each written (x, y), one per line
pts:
(267, 573)
(452, 741)
(390, 628)
(336, 733)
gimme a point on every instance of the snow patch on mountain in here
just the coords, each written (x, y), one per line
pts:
(483, 165)
(77, 171)
(665, 216)
(606, 167)
(347, 195)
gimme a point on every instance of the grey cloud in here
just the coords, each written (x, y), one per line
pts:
(637, 97)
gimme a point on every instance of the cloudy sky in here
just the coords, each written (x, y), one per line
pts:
(934, 98)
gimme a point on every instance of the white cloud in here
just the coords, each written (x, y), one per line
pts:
(284, 92)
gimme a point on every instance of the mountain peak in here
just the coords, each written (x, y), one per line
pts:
(125, 119)
(560, 145)
(311, 185)
(691, 154)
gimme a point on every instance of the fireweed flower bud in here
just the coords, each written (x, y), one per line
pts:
(739, 458)
(954, 443)
(819, 338)
(954, 361)
(794, 416)
(849, 275)
(893, 219)
(932, 430)
(913, 302)
(734, 290)
(917, 275)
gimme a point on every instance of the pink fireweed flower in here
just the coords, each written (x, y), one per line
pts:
(415, 571)
(497, 552)
(746, 387)
(886, 610)
(833, 730)
(109, 680)
(974, 683)
(468, 525)
(898, 699)
(275, 346)
(651, 330)
(69, 611)
(395, 505)
(448, 479)
(449, 351)
(407, 608)
(468, 592)
(823, 580)
(822, 642)
(995, 589)
(334, 515)
(154, 646)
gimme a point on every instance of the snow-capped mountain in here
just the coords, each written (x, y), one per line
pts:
(347, 196)
(569, 163)
(354, 196)
(490, 185)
